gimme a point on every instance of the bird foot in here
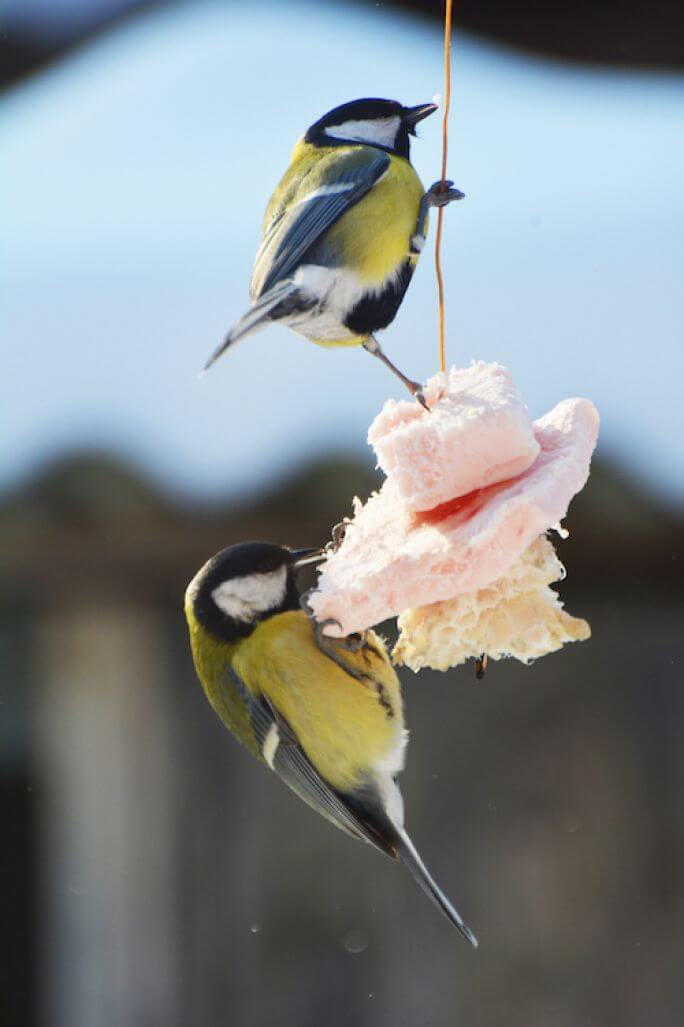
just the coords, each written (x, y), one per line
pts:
(416, 391)
(330, 646)
(352, 643)
(440, 194)
(338, 535)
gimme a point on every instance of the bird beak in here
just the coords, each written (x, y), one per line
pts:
(305, 557)
(412, 115)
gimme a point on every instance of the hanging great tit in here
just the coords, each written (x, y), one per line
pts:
(343, 230)
(326, 717)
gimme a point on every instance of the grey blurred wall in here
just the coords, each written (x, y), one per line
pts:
(156, 875)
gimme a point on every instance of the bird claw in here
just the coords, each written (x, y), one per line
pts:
(416, 391)
(319, 631)
(338, 535)
(330, 646)
(352, 643)
(440, 194)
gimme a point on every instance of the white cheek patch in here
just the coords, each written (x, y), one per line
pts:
(382, 131)
(242, 599)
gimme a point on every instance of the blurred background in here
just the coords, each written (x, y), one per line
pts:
(152, 874)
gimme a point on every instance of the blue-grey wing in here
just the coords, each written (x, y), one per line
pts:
(283, 753)
(288, 239)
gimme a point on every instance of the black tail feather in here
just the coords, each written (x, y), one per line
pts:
(257, 315)
(410, 858)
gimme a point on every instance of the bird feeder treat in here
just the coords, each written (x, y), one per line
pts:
(398, 560)
(517, 615)
(478, 433)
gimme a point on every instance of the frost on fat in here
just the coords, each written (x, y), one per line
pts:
(518, 615)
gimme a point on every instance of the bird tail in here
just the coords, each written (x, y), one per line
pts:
(253, 319)
(409, 856)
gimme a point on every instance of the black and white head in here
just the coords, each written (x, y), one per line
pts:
(244, 585)
(385, 124)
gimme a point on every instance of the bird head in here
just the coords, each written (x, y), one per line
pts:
(386, 124)
(244, 585)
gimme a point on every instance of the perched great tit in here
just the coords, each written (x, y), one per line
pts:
(326, 717)
(343, 230)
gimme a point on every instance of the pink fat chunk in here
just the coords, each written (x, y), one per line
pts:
(476, 433)
(392, 559)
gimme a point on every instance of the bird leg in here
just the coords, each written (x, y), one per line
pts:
(373, 346)
(438, 195)
(330, 646)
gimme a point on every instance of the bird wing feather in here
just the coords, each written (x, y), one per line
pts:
(361, 815)
(342, 179)
(295, 769)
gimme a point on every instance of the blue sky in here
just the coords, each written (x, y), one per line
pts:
(138, 171)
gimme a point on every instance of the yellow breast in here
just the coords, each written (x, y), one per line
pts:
(374, 235)
(344, 725)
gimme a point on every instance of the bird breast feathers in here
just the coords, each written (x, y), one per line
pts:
(345, 726)
(374, 235)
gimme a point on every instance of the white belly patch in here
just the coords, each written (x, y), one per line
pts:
(336, 292)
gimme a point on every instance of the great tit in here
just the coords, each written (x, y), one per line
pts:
(326, 717)
(343, 230)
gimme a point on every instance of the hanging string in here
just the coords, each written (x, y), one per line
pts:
(440, 210)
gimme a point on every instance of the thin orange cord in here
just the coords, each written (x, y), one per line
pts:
(440, 211)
